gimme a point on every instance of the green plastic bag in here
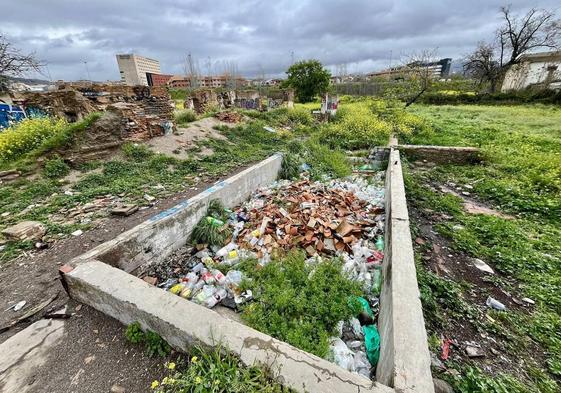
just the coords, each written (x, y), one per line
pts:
(372, 343)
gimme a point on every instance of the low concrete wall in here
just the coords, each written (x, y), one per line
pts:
(99, 278)
(404, 355)
(156, 238)
(183, 323)
(441, 154)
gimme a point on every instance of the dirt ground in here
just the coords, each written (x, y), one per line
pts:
(179, 143)
(34, 276)
(90, 355)
(438, 256)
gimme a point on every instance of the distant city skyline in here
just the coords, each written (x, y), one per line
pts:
(79, 38)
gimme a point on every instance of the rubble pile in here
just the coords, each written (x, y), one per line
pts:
(342, 218)
(229, 117)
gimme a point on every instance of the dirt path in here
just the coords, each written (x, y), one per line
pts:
(34, 277)
(87, 353)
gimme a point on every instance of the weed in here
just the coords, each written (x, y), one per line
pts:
(55, 168)
(212, 228)
(185, 116)
(136, 152)
(216, 370)
(297, 302)
(154, 343)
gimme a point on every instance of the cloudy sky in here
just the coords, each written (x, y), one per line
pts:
(261, 37)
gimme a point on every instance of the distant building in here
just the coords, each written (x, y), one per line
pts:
(133, 68)
(217, 81)
(535, 69)
(439, 69)
(157, 79)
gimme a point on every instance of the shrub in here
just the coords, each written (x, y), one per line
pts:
(356, 128)
(154, 343)
(136, 152)
(185, 116)
(216, 370)
(27, 136)
(297, 302)
(55, 168)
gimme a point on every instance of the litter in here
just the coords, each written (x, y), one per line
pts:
(478, 263)
(494, 303)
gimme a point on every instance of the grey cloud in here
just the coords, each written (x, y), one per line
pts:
(257, 35)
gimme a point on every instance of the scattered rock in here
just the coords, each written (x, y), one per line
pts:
(474, 352)
(77, 232)
(117, 389)
(420, 241)
(125, 210)
(435, 362)
(478, 263)
(528, 300)
(441, 386)
(149, 198)
(494, 303)
(25, 230)
(5, 214)
(89, 359)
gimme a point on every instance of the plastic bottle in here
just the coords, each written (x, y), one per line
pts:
(380, 243)
(215, 222)
(219, 276)
(377, 280)
(208, 277)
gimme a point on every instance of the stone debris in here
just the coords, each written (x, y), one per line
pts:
(124, 210)
(478, 263)
(25, 230)
(229, 117)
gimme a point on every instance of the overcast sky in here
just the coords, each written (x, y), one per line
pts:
(257, 35)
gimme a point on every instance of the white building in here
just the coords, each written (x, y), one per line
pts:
(535, 69)
(133, 68)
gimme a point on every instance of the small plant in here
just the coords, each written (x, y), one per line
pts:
(212, 228)
(55, 168)
(290, 168)
(134, 333)
(185, 116)
(216, 370)
(154, 343)
(136, 152)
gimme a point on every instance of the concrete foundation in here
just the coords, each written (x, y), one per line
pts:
(100, 279)
(404, 356)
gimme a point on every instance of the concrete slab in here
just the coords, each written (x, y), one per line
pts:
(25, 352)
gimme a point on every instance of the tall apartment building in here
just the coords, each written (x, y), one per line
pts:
(133, 68)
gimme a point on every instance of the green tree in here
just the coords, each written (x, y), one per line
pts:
(308, 78)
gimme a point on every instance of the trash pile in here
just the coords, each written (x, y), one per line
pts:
(342, 218)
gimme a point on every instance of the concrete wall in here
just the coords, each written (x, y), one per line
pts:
(441, 154)
(156, 238)
(404, 355)
(99, 278)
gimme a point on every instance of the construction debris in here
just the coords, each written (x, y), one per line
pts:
(229, 117)
(25, 230)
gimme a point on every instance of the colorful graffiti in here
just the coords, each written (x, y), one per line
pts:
(10, 114)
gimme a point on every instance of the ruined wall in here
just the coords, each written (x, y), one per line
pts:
(203, 100)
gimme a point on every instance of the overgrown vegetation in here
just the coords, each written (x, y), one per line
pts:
(520, 176)
(212, 229)
(55, 168)
(185, 116)
(155, 345)
(299, 302)
(215, 370)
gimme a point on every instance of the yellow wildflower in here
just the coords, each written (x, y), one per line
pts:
(194, 359)
(155, 384)
(171, 366)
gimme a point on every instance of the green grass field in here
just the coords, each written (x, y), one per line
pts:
(520, 175)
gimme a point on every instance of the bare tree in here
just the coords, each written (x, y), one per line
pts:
(15, 63)
(483, 65)
(420, 68)
(537, 29)
(191, 71)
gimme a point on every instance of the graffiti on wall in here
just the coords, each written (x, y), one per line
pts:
(247, 103)
(10, 114)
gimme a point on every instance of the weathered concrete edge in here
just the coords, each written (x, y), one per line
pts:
(191, 207)
(404, 356)
(183, 323)
(442, 154)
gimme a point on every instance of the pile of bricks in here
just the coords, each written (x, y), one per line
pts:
(310, 216)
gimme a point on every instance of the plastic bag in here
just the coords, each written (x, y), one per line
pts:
(362, 364)
(342, 355)
(372, 343)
